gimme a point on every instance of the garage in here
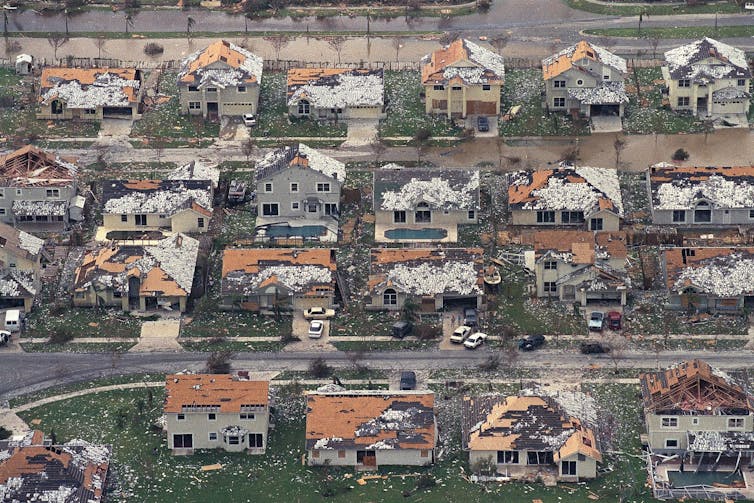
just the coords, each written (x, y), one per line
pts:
(604, 110)
(117, 112)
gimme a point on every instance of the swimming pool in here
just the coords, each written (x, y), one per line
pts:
(286, 231)
(435, 234)
(689, 478)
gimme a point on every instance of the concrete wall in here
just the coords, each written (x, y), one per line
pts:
(230, 102)
(439, 218)
(572, 78)
(587, 468)
(713, 422)
(198, 424)
(92, 298)
(184, 221)
(10, 194)
(568, 290)
(45, 113)
(307, 180)
(469, 100)
(375, 302)
(610, 221)
(695, 91)
(188, 221)
(720, 216)
(347, 457)
(317, 113)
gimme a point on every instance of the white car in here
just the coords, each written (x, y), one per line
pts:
(475, 340)
(250, 120)
(318, 313)
(459, 334)
(315, 329)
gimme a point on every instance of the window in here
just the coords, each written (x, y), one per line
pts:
(751, 213)
(669, 422)
(315, 454)
(181, 417)
(679, 216)
(163, 216)
(507, 457)
(183, 441)
(671, 443)
(247, 417)
(606, 77)
(684, 83)
(558, 102)
(424, 453)
(211, 89)
(572, 217)
(741, 82)
(399, 217)
(2, 193)
(683, 101)
(211, 416)
(233, 440)
(559, 83)
(545, 217)
(195, 105)
(212, 436)
(295, 205)
(2, 211)
(124, 218)
(312, 207)
(596, 224)
(550, 287)
(56, 107)
(486, 87)
(303, 107)
(390, 297)
(331, 209)
(341, 454)
(735, 423)
(141, 219)
(200, 222)
(702, 213)
(438, 87)
(695, 421)
(270, 210)
(268, 187)
(294, 187)
(18, 192)
(456, 88)
(256, 440)
(568, 468)
(241, 89)
(323, 187)
(551, 265)
(579, 82)
(193, 88)
(90, 111)
(539, 458)
(422, 215)
(471, 215)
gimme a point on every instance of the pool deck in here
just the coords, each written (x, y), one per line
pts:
(331, 225)
(661, 475)
(451, 237)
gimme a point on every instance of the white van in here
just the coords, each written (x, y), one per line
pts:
(13, 320)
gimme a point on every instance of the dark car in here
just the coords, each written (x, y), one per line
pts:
(408, 380)
(593, 348)
(614, 319)
(470, 317)
(531, 342)
(482, 124)
(401, 329)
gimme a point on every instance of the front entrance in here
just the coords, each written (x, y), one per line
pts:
(133, 292)
(213, 111)
(366, 458)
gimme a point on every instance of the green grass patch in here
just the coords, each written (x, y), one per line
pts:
(78, 347)
(694, 32)
(650, 317)
(207, 322)
(81, 322)
(230, 345)
(616, 9)
(396, 345)
(358, 322)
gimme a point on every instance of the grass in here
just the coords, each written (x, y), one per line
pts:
(371, 345)
(694, 32)
(524, 87)
(213, 323)
(405, 111)
(648, 316)
(78, 347)
(81, 322)
(273, 117)
(616, 9)
(230, 345)
(635, 197)
(357, 322)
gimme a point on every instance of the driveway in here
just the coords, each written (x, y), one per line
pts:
(604, 124)
(471, 123)
(160, 335)
(115, 127)
(361, 132)
(300, 329)
(450, 321)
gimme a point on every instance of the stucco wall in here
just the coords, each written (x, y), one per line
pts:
(198, 424)
(713, 422)
(470, 100)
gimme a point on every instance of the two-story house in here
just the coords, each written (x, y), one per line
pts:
(577, 196)
(90, 93)
(220, 80)
(462, 79)
(430, 277)
(704, 196)
(366, 428)
(298, 194)
(708, 78)
(38, 190)
(586, 79)
(151, 205)
(580, 266)
(135, 277)
(336, 93)
(413, 205)
(216, 411)
(270, 279)
(20, 261)
(528, 436)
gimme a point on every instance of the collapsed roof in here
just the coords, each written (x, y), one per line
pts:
(195, 170)
(463, 61)
(19, 243)
(579, 56)
(578, 247)
(299, 155)
(166, 197)
(336, 87)
(222, 393)
(723, 272)
(692, 61)
(404, 189)
(221, 64)
(30, 166)
(90, 87)
(681, 188)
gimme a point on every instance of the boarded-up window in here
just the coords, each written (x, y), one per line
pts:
(315, 454)
(341, 454)
(425, 453)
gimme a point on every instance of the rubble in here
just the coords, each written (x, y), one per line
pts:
(340, 90)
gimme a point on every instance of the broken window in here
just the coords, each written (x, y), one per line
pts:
(735, 423)
(538, 458)
(56, 107)
(331, 209)
(507, 457)
(193, 88)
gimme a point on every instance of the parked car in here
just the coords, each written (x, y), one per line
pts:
(408, 380)
(318, 313)
(470, 317)
(459, 334)
(482, 124)
(475, 340)
(402, 328)
(316, 328)
(614, 319)
(593, 348)
(250, 120)
(4, 337)
(531, 342)
(596, 321)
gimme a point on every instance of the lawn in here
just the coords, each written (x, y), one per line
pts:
(205, 322)
(616, 9)
(405, 111)
(633, 188)
(78, 347)
(525, 87)
(229, 345)
(81, 322)
(694, 32)
(273, 117)
(648, 316)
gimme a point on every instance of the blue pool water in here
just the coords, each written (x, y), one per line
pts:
(416, 233)
(305, 231)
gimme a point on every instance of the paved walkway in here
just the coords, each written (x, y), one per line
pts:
(160, 335)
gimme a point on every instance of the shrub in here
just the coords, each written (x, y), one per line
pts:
(153, 49)
(484, 466)
(491, 363)
(680, 155)
(319, 368)
(61, 335)
(427, 332)
(4, 433)
(422, 135)
(219, 362)
(425, 481)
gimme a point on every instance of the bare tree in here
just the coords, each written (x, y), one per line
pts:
(247, 148)
(448, 37)
(56, 42)
(653, 43)
(618, 145)
(190, 23)
(100, 42)
(617, 346)
(378, 149)
(219, 362)
(278, 42)
(129, 21)
(397, 45)
(499, 42)
(337, 44)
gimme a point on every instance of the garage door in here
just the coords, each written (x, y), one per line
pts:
(117, 112)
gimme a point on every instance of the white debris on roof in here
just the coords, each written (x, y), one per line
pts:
(725, 276)
(435, 278)
(330, 388)
(87, 453)
(107, 90)
(393, 420)
(349, 90)
(251, 66)
(686, 61)
(729, 94)
(293, 277)
(387, 443)
(17, 284)
(602, 55)
(719, 191)
(575, 403)
(24, 207)
(324, 443)
(196, 171)
(167, 201)
(234, 431)
(176, 256)
(437, 193)
(29, 243)
(323, 163)
(485, 57)
(604, 93)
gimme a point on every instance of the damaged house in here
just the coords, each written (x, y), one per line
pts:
(526, 437)
(298, 194)
(33, 469)
(336, 93)
(38, 190)
(580, 266)
(462, 79)
(434, 278)
(216, 411)
(150, 205)
(700, 425)
(370, 428)
(269, 279)
(706, 196)
(709, 279)
(708, 78)
(90, 93)
(20, 262)
(583, 197)
(423, 205)
(585, 79)
(138, 277)
(220, 80)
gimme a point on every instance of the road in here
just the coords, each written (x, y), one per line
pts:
(22, 373)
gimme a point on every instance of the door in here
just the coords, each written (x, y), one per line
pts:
(366, 458)
(133, 292)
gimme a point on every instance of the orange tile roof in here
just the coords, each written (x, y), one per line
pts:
(678, 259)
(565, 61)
(557, 240)
(217, 51)
(220, 390)
(52, 76)
(252, 260)
(668, 173)
(455, 52)
(351, 420)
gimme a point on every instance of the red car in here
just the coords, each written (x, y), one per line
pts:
(614, 320)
